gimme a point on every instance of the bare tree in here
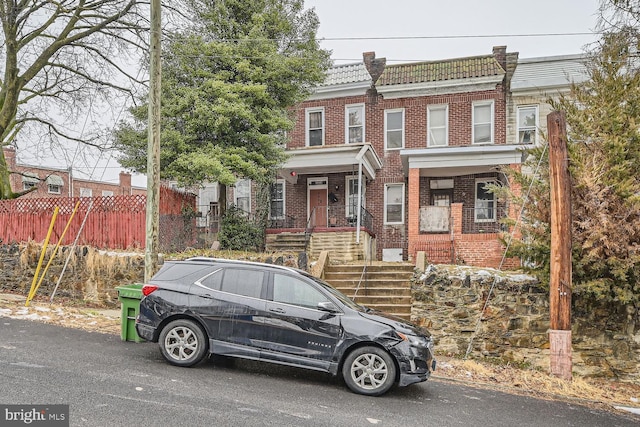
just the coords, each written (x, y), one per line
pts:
(62, 59)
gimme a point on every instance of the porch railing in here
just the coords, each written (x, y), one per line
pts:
(338, 216)
(437, 220)
(483, 220)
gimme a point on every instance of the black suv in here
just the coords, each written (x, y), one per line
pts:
(280, 315)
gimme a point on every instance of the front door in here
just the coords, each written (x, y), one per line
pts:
(318, 206)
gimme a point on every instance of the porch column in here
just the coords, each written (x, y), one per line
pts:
(413, 206)
(514, 210)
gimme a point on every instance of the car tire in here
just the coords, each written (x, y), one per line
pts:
(369, 371)
(183, 343)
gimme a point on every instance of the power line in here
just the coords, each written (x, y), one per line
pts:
(459, 36)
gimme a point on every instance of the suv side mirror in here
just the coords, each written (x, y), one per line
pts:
(328, 306)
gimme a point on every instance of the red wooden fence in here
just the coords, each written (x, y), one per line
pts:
(114, 222)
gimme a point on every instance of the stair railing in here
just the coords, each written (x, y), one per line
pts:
(308, 230)
(367, 259)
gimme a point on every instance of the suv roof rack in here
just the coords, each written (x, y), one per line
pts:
(237, 261)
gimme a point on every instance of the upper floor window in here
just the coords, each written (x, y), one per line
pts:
(86, 192)
(354, 123)
(242, 195)
(394, 203)
(315, 126)
(55, 189)
(482, 117)
(438, 126)
(394, 129)
(107, 193)
(29, 180)
(527, 124)
(54, 183)
(276, 207)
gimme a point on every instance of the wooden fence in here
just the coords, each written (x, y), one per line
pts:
(113, 222)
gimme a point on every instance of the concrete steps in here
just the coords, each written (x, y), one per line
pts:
(285, 242)
(382, 286)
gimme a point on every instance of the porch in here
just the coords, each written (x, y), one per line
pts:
(349, 237)
(460, 235)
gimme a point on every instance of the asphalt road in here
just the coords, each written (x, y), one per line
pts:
(108, 382)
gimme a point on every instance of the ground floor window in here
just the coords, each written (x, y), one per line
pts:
(394, 203)
(276, 206)
(485, 209)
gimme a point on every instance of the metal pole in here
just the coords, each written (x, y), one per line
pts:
(153, 147)
(560, 280)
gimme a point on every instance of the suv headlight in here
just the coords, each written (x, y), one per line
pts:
(416, 341)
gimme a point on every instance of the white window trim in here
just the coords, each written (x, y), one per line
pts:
(51, 187)
(495, 201)
(386, 186)
(347, 180)
(346, 122)
(235, 194)
(85, 192)
(537, 125)
(430, 108)
(107, 193)
(284, 200)
(473, 121)
(307, 112)
(386, 114)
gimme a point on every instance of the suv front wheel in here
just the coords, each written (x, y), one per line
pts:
(183, 343)
(369, 371)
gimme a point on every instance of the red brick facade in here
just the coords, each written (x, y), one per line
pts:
(466, 244)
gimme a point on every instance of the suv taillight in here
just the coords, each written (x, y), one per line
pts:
(147, 289)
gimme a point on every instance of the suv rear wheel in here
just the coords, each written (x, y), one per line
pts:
(183, 343)
(369, 371)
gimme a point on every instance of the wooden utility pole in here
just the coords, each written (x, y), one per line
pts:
(560, 283)
(153, 147)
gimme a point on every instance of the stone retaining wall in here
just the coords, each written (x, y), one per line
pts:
(449, 299)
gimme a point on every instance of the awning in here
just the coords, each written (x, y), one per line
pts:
(30, 177)
(461, 160)
(331, 159)
(55, 180)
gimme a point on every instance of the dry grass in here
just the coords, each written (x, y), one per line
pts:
(605, 393)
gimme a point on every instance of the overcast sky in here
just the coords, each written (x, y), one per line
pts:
(427, 21)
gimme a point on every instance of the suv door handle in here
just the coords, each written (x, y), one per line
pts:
(276, 310)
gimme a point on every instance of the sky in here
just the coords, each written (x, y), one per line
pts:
(426, 30)
(419, 27)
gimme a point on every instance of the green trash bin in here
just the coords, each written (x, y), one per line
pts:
(129, 296)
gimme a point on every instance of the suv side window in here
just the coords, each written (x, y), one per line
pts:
(183, 273)
(243, 282)
(212, 280)
(290, 290)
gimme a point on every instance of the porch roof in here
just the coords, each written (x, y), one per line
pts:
(331, 159)
(461, 160)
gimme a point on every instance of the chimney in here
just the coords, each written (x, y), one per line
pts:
(375, 66)
(500, 53)
(125, 183)
(10, 157)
